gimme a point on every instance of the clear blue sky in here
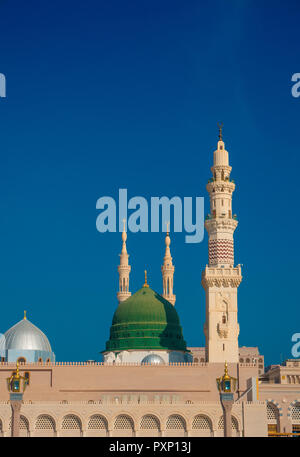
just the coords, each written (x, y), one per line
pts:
(105, 95)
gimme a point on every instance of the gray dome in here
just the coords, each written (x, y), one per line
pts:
(153, 359)
(26, 336)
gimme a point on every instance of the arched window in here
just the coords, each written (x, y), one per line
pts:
(24, 426)
(71, 426)
(201, 426)
(97, 425)
(176, 422)
(295, 417)
(21, 360)
(45, 426)
(97, 422)
(201, 422)
(150, 422)
(272, 418)
(123, 422)
(234, 425)
(40, 360)
(196, 360)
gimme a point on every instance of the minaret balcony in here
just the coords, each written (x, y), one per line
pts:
(224, 187)
(217, 223)
(225, 276)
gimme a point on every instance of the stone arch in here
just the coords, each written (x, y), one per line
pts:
(24, 430)
(97, 425)
(123, 425)
(175, 425)
(272, 417)
(71, 425)
(202, 425)
(45, 425)
(294, 415)
(235, 426)
(150, 425)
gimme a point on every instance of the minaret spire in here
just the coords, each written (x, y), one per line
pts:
(220, 131)
(168, 271)
(221, 278)
(124, 269)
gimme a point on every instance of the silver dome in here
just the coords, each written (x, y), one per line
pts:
(153, 359)
(24, 335)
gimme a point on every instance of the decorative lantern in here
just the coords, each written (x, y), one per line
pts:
(226, 383)
(17, 383)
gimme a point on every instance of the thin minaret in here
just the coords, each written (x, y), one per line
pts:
(124, 270)
(221, 278)
(167, 270)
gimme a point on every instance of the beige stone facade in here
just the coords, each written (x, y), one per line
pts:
(129, 400)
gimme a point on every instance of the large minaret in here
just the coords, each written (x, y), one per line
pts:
(167, 270)
(220, 278)
(124, 270)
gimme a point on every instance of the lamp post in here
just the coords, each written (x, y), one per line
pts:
(227, 387)
(16, 387)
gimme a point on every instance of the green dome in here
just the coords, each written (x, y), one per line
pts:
(145, 321)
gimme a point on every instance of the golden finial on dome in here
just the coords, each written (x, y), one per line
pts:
(146, 285)
(25, 315)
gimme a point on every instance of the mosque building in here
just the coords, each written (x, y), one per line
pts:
(150, 383)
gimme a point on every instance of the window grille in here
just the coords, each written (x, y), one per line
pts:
(71, 422)
(97, 422)
(123, 422)
(24, 424)
(201, 423)
(150, 422)
(175, 422)
(272, 413)
(295, 412)
(45, 423)
(234, 423)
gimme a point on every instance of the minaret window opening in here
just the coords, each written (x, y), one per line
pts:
(224, 319)
(27, 377)
(21, 360)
